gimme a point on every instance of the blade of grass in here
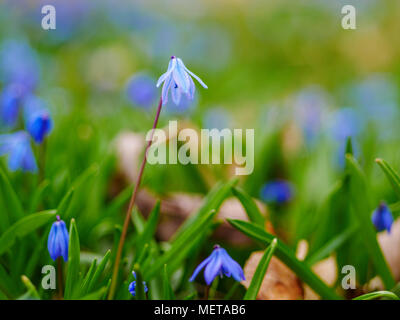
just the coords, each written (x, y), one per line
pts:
(72, 280)
(24, 227)
(250, 206)
(391, 175)
(378, 294)
(331, 246)
(259, 274)
(359, 194)
(167, 289)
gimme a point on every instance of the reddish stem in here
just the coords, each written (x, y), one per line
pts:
(130, 208)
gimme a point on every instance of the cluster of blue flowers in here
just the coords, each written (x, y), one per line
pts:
(23, 116)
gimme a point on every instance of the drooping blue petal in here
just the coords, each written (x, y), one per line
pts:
(231, 267)
(171, 67)
(201, 266)
(181, 77)
(164, 93)
(176, 94)
(213, 268)
(197, 78)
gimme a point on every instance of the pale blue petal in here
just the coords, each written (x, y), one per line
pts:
(192, 89)
(176, 94)
(171, 67)
(181, 77)
(197, 78)
(165, 89)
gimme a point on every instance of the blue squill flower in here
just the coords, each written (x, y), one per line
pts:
(382, 218)
(18, 147)
(58, 240)
(278, 191)
(37, 119)
(219, 263)
(178, 79)
(132, 286)
(140, 90)
(19, 64)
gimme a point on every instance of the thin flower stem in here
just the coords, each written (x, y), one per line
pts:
(130, 208)
(207, 293)
(60, 278)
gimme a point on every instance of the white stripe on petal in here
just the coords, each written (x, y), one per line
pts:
(176, 94)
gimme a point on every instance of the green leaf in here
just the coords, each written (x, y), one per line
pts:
(378, 294)
(72, 280)
(392, 175)
(99, 271)
(285, 254)
(15, 209)
(259, 274)
(37, 196)
(140, 293)
(250, 206)
(149, 229)
(97, 295)
(31, 288)
(168, 292)
(331, 246)
(359, 194)
(86, 281)
(180, 247)
(24, 227)
(65, 203)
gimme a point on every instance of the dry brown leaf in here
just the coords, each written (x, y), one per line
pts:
(279, 283)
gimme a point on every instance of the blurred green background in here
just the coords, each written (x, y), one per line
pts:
(285, 68)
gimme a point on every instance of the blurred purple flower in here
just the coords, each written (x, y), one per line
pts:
(277, 191)
(19, 65)
(219, 263)
(10, 102)
(141, 91)
(18, 147)
(179, 80)
(217, 118)
(310, 107)
(382, 218)
(346, 123)
(37, 118)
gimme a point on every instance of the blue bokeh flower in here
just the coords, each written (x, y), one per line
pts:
(277, 191)
(10, 102)
(132, 286)
(382, 218)
(19, 64)
(37, 119)
(140, 90)
(219, 263)
(18, 147)
(58, 241)
(178, 79)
